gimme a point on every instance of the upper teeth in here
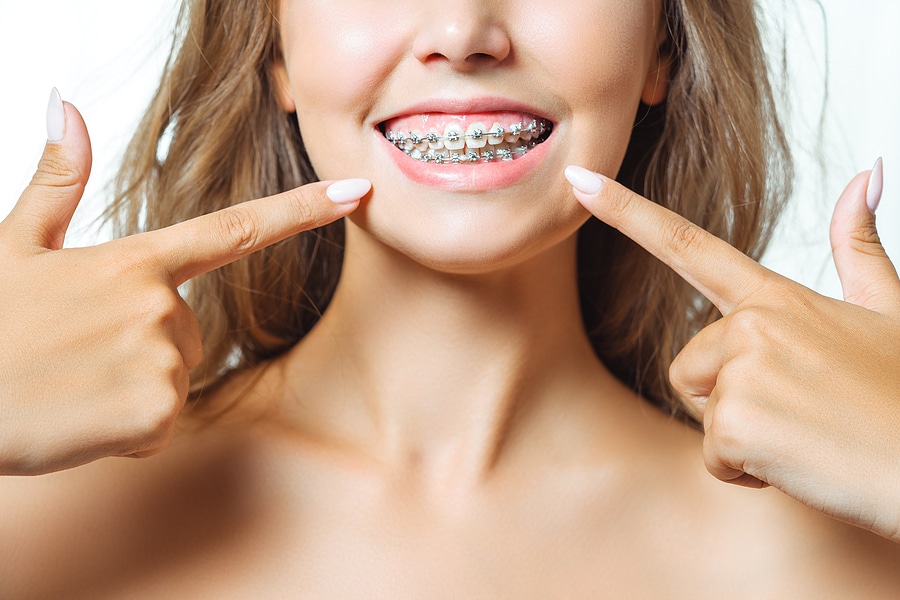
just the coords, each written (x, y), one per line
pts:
(453, 137)
(453, 146)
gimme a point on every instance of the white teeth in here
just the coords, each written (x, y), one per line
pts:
(496, 136)
(512, 136)
(418, 139)
(454, 146)
(475, 137)
(526, 134)
(453, 137)
(435, 139)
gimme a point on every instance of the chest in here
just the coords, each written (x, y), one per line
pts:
(370, 560)
(305, 533)
(347, 547)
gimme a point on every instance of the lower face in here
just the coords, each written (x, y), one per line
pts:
(464, 114)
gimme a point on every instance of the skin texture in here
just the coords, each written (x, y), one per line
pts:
(598, 75)
(822, 423)
(437, 434)
(117, 303)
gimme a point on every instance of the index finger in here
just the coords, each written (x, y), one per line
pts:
(210, 241)
(723, 274)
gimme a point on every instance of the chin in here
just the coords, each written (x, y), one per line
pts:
(480, 235)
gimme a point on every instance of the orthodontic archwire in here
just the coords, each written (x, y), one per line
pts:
(535, 128)
(471, 156)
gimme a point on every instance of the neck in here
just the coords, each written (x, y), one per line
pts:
(437, 373)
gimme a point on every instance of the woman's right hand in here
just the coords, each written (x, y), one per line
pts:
(96, 343)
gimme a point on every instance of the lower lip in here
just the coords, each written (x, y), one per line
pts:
(472, 177)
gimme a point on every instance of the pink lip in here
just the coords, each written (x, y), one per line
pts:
(478, 177)
(468, 105)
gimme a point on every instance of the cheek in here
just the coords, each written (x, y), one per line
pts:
(600, 56)
(334, 65)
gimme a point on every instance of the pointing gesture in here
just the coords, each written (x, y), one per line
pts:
(796, 390)
(95, 343)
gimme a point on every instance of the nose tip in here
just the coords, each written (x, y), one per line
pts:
(465, 40)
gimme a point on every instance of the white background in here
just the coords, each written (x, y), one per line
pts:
(105, 57)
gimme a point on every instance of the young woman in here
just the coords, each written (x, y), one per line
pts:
(461, 389)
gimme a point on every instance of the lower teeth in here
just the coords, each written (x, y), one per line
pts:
(472, 157)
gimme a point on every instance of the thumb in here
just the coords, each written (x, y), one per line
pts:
(44, 210)
(868, 277)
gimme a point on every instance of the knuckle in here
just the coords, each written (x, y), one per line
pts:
(155, 437)
(159, 306)
(865, 238)
(746, 323)
(194, 354)
(727, 427)
(55, 171)
(684, 238)
(678, 374)
(711, 457)
(239, 228)
(169, 362)
(618, 204)
(303, 209)
(157, 418)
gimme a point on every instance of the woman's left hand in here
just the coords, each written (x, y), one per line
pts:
(795, 390)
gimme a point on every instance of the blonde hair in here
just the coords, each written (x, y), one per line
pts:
(214, 135)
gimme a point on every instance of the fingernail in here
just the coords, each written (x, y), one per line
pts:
(348, 190)
(876, 185)
(56, 117)
(583, 180)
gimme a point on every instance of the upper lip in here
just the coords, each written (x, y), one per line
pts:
(461, 106)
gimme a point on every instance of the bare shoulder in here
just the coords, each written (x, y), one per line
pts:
(655, 523)
(115, 517)
(766, 542)
(123, 527)
(793, 551)
(659, 518)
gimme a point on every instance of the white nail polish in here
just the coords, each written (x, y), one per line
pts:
(56, 117)
(583, 180)
(876, 185)
(348, 190)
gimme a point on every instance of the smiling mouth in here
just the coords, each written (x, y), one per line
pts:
(467, 139)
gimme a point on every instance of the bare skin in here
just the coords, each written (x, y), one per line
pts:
(332, 477)
(822, 424)
(96, 343)
(264, 510)
(438, 435)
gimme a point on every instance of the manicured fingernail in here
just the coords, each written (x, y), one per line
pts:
(348, 190)
(56, 117)
(876, 185)
(583, 180)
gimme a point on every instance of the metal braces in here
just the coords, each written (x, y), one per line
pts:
(399, 138)
(456, 158)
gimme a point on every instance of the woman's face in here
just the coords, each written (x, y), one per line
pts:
(370, 80)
